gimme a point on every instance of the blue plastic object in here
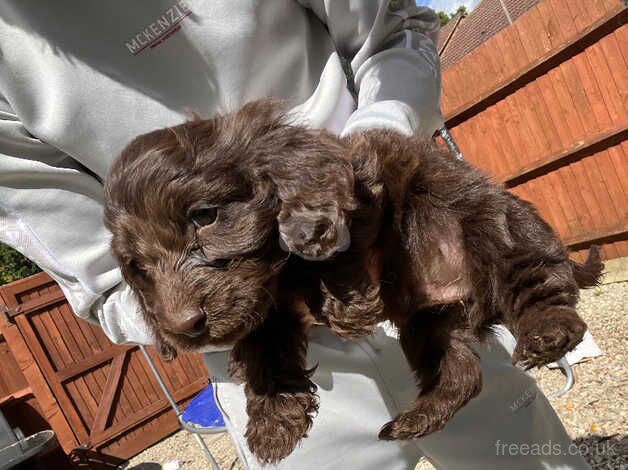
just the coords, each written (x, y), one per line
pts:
(203, 410)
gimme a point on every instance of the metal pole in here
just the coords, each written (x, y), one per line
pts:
(451, 143)
(176, 409)
(161, 382)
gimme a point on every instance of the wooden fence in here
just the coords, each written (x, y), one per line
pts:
(543, 107)
(99, 398)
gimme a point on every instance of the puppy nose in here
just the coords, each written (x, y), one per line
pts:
(190, 323)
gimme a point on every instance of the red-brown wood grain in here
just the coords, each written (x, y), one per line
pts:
(543, 106)
(95, 395)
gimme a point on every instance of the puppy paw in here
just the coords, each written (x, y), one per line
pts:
(167, 352)
(314, 235)
(424, 418)
(277, 424)
(356, 319)
(351, 331)
(546, 336)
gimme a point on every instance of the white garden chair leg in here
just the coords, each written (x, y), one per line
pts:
(175, 407)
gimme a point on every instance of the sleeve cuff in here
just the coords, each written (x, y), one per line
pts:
(394, 115)
(120, 317)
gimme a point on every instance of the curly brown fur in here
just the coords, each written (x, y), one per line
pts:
(256, 173)
(450, 237)
(199, 214)
(281, 398)
(435, 341)
(203, 214)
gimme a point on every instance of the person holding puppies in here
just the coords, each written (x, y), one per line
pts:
(79, 83)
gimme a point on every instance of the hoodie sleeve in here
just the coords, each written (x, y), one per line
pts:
(51, 210)
(390, 46)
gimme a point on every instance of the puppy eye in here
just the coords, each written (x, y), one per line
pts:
(136, 269)
(203, 217)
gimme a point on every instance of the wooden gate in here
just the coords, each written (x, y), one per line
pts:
(95, 395)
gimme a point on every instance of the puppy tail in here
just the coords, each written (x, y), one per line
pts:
(588, 274)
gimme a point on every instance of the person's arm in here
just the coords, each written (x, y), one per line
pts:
(51, 210)
(390, 45)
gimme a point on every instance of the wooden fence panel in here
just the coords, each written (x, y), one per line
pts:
(543, 107)
(104, 396)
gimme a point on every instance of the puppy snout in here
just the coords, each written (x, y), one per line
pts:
(190, 323)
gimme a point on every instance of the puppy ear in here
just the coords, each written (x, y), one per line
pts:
(314, 183)
(308, 170)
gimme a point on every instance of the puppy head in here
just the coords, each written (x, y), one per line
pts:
(199, 213)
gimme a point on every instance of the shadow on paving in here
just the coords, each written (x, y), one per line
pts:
(604, 452)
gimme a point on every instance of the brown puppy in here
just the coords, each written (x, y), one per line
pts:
(202, 215)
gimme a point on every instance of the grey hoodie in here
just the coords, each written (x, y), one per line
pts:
(78, 80)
